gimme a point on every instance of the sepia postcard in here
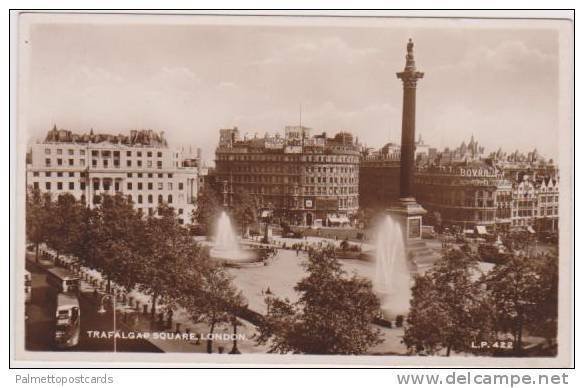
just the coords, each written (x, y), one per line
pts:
(293, 189)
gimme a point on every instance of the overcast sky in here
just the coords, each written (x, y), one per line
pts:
(189, 80)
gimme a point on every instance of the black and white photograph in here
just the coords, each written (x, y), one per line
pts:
(262, 189)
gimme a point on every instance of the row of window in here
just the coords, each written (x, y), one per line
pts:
(104, 163)
(289, 158)
(74, 174)
(106, 185)
(104, 153)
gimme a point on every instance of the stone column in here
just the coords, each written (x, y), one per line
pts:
(407, 209)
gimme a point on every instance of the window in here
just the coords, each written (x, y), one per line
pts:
(139, 185)
(150, 186)
(95, 185)
(140, 198)
(160, 199)
(149, 154)
(47, 162)
(169, 198)
(139, 163)
(159, 164)
(82, 162)
(160, 175)
(71, 174)
(70, 152)
(48, 185)
(160, 186)
(60, 162)
(36, 173)
(70, 162)
(149, 164)
(139, 153)
(180, 185)
(128, 153)
(94, 163)
(170, 175)
(129, 175)
(105, 163)
(59, 151)
(149, 198)
(117, 186)
(139, 175)
(48, 173)
(94, 153)
(81, 152)
(159, 154)
(35, 185)
(180, 210)
(130, 197)
(59, 174)
(150, 175)
(59, 185)
(47, 151)
(128, 163)
(169, 185)
(129, 185)
(71, 185)
(82, 185)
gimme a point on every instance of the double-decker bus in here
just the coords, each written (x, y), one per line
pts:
(63, 280)
(68, 321)
(27, 286)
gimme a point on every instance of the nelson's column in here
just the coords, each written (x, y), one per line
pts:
(407, 210)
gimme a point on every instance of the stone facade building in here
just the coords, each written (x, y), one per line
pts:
(300, 178)
(139, 165)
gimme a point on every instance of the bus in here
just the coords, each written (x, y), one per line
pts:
(63, 280)
(68, 319)
(27, 286)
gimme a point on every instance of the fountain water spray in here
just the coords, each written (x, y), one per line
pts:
(392, 282)
(226, 246)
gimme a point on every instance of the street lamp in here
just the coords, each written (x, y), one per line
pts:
(102, 310)
(235, 323)
(268, 297)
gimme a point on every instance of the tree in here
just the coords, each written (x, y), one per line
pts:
(208, 208)
(166, 252)
(547, 273)
(333, 315)
(110, 232)
(37, 217)
(63, 224)
(523, 292)
(213, 298)
(245, 210)
(447, 308)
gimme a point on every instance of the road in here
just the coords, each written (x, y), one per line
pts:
(40, 323)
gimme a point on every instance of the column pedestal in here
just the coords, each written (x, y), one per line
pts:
(409, 214)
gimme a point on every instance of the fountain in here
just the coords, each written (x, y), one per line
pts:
(392, 282)
(226, 247)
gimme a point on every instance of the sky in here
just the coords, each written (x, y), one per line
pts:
(189, 80)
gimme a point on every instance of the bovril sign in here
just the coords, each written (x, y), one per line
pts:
(477, 172)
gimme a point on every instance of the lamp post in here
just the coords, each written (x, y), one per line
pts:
(235, 323)
(102, 310)
(268, 296)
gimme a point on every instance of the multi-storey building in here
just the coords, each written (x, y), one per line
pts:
(140, 165)
(303, 179)
(464, 194)
(467, 188)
